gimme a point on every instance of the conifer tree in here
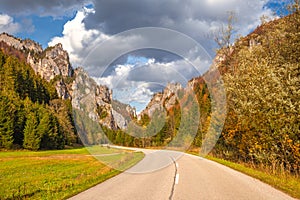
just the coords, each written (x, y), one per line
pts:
(6, 123)
(32, 138)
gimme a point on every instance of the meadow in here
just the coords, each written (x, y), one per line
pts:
(59, 174)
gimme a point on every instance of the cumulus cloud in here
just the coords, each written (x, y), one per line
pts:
(8, 25)
(118, 78)
(76, 38)
(142, 94)
(128, 91)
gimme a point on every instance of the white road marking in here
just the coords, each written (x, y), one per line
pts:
(176, 165)
(177, 179)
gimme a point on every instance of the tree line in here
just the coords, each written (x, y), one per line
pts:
(31, 114)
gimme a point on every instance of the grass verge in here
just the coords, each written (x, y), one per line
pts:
(285, 182)
(56, 174)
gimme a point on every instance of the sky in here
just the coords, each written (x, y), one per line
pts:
(135, 47)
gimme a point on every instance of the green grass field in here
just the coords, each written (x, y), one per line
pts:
(58, 174)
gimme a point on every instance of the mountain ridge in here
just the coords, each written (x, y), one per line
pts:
(52, 64)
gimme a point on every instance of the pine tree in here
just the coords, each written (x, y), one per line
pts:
(6, 123)
(48, 128)
(32, 139)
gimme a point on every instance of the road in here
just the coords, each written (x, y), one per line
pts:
(174, 175)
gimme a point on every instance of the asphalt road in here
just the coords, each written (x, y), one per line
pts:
(174, 175)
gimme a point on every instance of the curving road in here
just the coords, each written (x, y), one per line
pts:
(167, 175)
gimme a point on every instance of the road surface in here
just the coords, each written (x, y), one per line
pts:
(174, 175)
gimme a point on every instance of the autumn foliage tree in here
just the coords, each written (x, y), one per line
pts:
(262, 126)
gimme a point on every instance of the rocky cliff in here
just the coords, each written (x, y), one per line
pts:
(163, 100)
(92, 99)
(22, 45)
(53, 65)
(52, 62)
(123, 114)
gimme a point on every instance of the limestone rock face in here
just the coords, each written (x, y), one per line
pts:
(53, 65)
(92, 99)
(50, 63)
(123, 114)
(53, 62)
(21, 45)
(170, 94)
(62, 89)
(120, 120)
(163, 100)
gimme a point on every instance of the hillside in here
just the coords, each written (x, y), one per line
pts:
(40, 93)
(261, 79)
(262, 83)
(32, 115)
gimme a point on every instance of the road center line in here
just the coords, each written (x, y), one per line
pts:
(174, 178)
(177, 179)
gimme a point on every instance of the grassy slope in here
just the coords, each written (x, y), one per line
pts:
(55, 174)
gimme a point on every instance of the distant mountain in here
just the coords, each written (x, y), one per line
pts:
(63, 84)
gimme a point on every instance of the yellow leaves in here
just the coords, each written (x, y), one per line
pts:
(231, 134)
(263, 95)
(258, 146)
(289, 141)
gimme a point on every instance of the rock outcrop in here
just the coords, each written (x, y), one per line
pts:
(53, 62)
(22, 45)
(50, 63)
(163, 100)
(92, 99)
(53, 65)
(123, 114)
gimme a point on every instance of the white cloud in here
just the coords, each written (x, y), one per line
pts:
(118, 79)
(8, 25)
(127, 91)
(77, 39)
(142, 94)
(138, 93)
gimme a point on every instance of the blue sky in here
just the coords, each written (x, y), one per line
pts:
(81, 29)
(45, 28)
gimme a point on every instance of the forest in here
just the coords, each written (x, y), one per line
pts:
(31, 114)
